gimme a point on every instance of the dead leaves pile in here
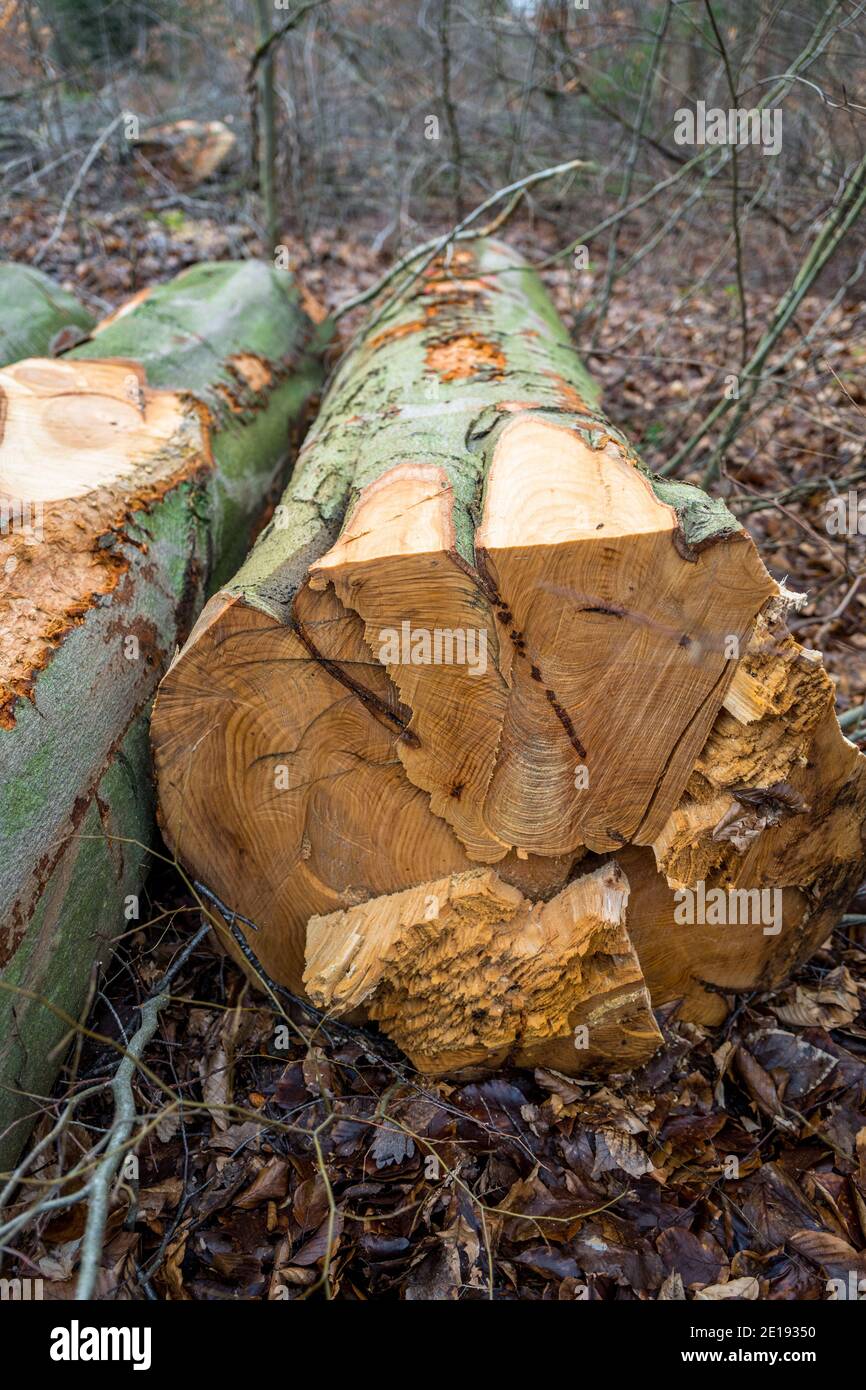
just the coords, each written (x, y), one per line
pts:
(732, 1166)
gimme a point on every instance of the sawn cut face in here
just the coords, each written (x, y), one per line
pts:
(580, 601)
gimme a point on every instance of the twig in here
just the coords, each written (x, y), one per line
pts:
(646, 94)
(735, 189)
(450, 111)
(489, 229)
(74, 187)
(317, 1016)
(816, 45)
(266, 129)
(265, 47)
(179, 961)
(99, 1184)
(16, 1178)
(376, 1048)
(852, 717)
(428, 250)
(837, 611)
(837, 224)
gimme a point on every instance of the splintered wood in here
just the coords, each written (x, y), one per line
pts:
(466, 970)
(480, 633)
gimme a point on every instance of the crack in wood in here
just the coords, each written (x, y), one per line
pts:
(373, 703)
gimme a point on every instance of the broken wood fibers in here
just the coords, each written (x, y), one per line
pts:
(638, 698)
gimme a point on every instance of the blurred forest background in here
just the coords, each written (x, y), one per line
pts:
(515, 85)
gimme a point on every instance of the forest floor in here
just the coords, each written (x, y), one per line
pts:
(281, 1159)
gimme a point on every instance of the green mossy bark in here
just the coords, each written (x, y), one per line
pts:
(78, 915)
(33, 310)
(76, 813)
(186, 333)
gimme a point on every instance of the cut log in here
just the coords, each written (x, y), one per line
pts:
(479, 632)
(188, 152)
(123, 503)
(233, 336)
(36, 316)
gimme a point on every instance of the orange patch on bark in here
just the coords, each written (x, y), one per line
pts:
(460, 256)
(465, 355)
(251, 369)
(571, 399)
(459, 288)
(397, 330)
(230, 399)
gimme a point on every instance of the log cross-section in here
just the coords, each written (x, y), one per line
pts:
(579, 600)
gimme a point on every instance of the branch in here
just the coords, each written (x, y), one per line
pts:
(99, 1185)
(264, 48)
(631, 161)
(735, 190)
(842, 217)
(75, 185)
(818, 41)
(459, 232)
(852, 717)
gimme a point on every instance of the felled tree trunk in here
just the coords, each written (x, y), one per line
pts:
(125, 501)
(36, 315)
(478, 632)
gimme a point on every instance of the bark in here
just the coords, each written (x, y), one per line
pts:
(36, 315)
(137, 467)
(314, 754)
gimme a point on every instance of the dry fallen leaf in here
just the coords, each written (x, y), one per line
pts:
(834, 1003)
(747, 1287)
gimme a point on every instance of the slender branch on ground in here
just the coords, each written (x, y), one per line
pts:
(99, 1185)
(75, 186)
(851, 718)
(429, 250)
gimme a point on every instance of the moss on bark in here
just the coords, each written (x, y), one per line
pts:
(33, 310)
